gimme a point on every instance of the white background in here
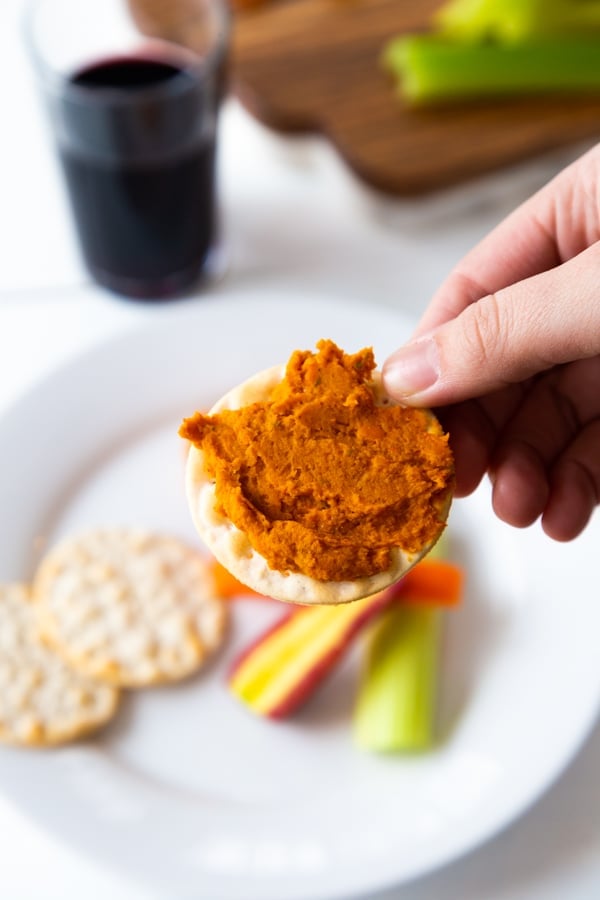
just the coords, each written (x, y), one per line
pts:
(294, 220)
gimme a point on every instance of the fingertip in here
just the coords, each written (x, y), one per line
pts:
(410, 373)
(570, 505)
(520, 486)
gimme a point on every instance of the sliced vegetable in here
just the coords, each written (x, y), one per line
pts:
(396, 703)
(286, 664)
(395, 709)
(510, 21)
(431, 68)
(433, 582)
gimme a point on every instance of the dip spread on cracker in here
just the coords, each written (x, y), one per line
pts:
(323, 474)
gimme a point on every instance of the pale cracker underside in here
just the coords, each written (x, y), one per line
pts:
(233, 549)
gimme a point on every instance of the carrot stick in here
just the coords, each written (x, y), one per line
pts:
(432, 582)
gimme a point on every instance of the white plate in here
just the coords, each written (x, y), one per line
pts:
(188, 791)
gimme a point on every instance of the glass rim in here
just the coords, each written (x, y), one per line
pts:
(185, 58)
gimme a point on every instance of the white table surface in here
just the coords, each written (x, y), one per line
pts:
(294, 220)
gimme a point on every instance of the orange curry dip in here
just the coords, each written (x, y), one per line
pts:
(322, 478)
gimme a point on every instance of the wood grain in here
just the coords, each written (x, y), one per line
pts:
(313, 65)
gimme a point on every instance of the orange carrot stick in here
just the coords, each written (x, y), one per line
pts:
(432, 582)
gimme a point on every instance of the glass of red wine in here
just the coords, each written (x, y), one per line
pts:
(134, 88)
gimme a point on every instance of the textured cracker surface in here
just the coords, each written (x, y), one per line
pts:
(42, 700)
(233, 549)
(129, 607)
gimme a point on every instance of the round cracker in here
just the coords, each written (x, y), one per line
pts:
(232, 547)
(129, 607)
(43, 701)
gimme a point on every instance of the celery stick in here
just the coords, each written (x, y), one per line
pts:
(395, 707)
(393, 55)
(467, 20)
(516, 20)
(433, 69)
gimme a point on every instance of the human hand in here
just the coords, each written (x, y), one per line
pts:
(509, 350)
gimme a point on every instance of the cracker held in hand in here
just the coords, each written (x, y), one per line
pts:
(128, 607)
(42, 700)
(311, 486)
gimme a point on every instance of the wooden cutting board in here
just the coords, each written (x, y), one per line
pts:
(313, 66)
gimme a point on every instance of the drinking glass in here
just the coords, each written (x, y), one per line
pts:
(133, 89)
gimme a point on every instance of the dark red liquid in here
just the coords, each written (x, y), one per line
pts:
(140, 176)
(126, 73)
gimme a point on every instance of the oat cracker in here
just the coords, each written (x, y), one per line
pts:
(128, 606)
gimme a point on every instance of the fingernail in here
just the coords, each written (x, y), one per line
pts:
(412, 369)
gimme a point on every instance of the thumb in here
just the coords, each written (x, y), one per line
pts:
(503, 338)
